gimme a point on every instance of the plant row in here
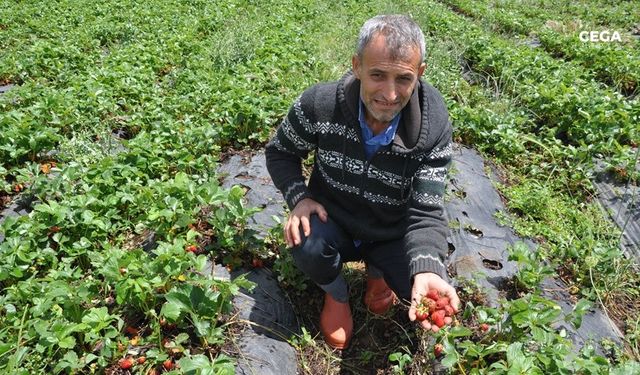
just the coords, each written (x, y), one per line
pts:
(621, 15)
(515, 121)
(565, 103)
(85, 72)
(612, 62)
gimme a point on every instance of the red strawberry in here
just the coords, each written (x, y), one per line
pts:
(125, 363)
(433, 294)
(437, 350)
(442, 302)
(167, 364)
(484, 327)
(437, 318)
(448, 310)
(131, 331)
(421, 315)
(429, 304)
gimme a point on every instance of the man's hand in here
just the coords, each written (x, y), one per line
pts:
(300, 215)
(422, 283)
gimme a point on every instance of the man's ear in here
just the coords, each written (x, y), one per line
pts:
(355, 66)
(421, 69)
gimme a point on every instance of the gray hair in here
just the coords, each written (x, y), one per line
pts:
(401, 34)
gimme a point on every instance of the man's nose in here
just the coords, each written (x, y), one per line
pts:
(389, 92)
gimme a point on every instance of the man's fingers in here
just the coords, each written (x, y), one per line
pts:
(306, 227)
(322, 213)
(287, 235)
(453, 299)
(294, 231)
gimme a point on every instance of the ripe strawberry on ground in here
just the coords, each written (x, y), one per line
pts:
(437, 350)
(125, 363)
(167, 364)
(257, 263)
(131, 330)
(484, 327)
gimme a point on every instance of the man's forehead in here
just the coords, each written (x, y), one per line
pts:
(378, 46)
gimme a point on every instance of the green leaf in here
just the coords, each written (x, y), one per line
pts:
(67, 342)
(460, 331)
(201, 365)
(450, 360)
(192, 234)
(514, 353)
(171, 310)
(578, 312)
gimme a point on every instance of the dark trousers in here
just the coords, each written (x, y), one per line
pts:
(321, 255)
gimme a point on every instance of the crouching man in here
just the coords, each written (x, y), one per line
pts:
(382, 143)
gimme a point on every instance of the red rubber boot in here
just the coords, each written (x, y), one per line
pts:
(336, 323)
(378, 297)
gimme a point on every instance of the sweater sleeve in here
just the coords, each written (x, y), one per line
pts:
(426, 237)
(293, 140)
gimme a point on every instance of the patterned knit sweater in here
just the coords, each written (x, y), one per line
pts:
(398, 194)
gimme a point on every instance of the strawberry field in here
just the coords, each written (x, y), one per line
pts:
(115, 117)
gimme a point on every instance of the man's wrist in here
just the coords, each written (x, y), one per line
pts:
(427, 264)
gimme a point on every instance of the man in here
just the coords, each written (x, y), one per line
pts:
(382, 143)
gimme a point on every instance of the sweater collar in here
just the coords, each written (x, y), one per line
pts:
(410, 135)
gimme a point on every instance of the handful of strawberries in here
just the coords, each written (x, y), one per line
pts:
(436, 308)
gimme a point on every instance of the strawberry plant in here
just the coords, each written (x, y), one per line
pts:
(525, 340)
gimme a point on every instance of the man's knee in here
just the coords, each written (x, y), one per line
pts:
(318, 255)
(324, 240)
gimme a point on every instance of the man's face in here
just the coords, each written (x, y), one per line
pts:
(386, 84)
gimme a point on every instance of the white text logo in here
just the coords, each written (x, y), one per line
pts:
(600, 36)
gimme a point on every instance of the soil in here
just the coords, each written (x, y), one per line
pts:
(375, 336)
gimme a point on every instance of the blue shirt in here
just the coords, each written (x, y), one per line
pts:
(373, 143)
